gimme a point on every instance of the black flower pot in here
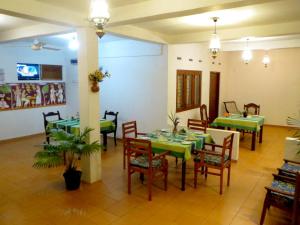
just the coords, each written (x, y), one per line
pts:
(72, 179)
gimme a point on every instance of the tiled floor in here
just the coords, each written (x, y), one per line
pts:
(38, 196)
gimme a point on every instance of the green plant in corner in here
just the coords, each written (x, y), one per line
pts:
(72, 147)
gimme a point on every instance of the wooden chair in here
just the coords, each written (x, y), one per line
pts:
(140, 159)
(129, 129)
(290, 168)
(114, 117)
(252, 109)
(231, 107)
(283, 193)
(51, 116)
(200, 125)
(215, 159)
(203, 113)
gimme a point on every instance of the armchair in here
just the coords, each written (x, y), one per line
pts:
(218, 157)
(141, 159)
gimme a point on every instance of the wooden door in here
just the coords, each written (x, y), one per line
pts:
(214, 91)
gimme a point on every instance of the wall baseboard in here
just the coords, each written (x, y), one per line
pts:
(22, 137)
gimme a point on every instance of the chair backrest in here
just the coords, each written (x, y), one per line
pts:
(296, 200)
(200, 125)
(113, 115)
(203, 113)
(52, 116)
(227, 145)
(129, 129)
(252, 108)
(139, 147)
(231, 107)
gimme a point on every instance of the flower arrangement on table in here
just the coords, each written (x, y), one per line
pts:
(175, 121)
(97, 76)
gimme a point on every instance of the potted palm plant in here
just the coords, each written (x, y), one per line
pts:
(72, 147)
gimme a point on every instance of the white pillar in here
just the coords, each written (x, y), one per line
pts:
(89, 101)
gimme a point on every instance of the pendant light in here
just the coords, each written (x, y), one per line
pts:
(247, 53)
(99, 15)
(215, 44)
(266, 60)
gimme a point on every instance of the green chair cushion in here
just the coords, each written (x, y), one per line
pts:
(143, 161)
(212, 159)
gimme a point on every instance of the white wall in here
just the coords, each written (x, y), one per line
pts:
(196, 52)
(275, 88)
(137, 88)
(17, 123)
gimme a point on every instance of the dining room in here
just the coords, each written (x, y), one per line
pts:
(145, 64)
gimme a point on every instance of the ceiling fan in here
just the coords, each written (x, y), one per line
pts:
(38, 45)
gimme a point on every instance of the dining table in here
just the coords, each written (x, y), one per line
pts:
(73, 126)
(252, 123)
(179, 145)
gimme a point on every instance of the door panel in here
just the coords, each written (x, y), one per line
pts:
(214, 91)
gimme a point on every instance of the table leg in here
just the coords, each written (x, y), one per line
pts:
(253, 140)
(183, 170)
(261, 133)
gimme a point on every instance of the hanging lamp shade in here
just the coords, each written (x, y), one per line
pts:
(247, 53)
(266, 60)
(215, 43)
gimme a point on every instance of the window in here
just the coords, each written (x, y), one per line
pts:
(188, 90)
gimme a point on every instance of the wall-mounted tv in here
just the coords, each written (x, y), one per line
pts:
(26, 71)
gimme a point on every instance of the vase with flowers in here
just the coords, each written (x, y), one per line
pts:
(96, 77)
(175, 120)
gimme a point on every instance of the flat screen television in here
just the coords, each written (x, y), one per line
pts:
(27, 71)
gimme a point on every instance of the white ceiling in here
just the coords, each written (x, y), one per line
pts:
(164, 21)
(10, 22)
(268, 13)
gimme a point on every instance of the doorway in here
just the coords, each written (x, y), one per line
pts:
(214, 91)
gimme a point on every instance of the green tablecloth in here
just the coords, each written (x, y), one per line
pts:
(251, 123)
(73, 126)
(179, 145)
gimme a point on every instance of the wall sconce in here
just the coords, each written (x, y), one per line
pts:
(99, 15)
(247, 53)
(266, 60)
(215, 44)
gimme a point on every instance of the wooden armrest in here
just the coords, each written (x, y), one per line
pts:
(291, 161)
(161, 155)
(284, 178)
(287, 171)
(213, 145)
(279, 192)
(209, 152)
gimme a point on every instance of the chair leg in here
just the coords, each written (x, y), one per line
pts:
(115, 138)
(124, 159)
(228, 176)
(206, 170)
(221, 182)
(166, 176)
(150, 186)
(265, 207)
(195, 174)
(129, 181)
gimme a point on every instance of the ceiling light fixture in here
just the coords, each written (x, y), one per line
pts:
(266, 60)
(215, 44)
(99, 15)
(73, 44)
(247, 53)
